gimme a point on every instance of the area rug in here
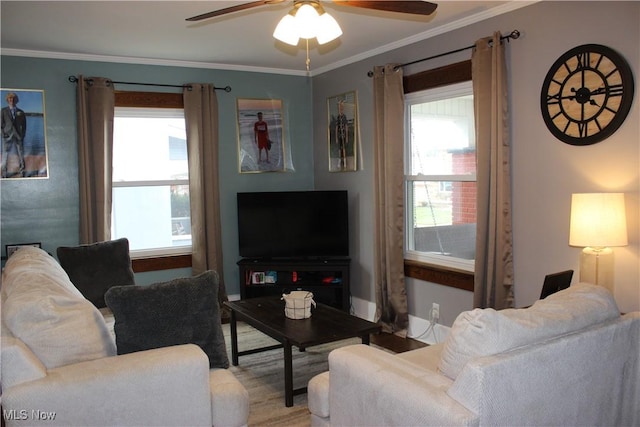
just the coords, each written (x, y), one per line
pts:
(262, 374)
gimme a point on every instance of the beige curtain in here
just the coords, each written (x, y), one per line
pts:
(493, 286)
(391, 295)
(95, 109)
(201, 117)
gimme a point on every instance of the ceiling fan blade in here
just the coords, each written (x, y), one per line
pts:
(232, 9)
(416, 7)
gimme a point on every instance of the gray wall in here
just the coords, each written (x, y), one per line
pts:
(46, 210)
(545, 171)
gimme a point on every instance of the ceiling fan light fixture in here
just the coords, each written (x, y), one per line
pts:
(307, 20)
(286, 31)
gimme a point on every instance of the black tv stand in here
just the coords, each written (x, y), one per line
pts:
(327, 278)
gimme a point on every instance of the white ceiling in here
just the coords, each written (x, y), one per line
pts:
(155, 32)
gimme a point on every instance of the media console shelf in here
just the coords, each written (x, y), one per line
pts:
(328, 279)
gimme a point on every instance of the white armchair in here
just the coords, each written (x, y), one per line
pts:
(59, 363)
(570, 359)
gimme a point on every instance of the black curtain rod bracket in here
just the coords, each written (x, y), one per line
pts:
(74, 79)
(512, 35)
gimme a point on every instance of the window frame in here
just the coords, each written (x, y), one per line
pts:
(429, 79)
(435, 94)
(144, 261)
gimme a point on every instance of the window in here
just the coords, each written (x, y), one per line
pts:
(440, 175)
(151, 181)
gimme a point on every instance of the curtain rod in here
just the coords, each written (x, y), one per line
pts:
(513, 35)
(74, 79)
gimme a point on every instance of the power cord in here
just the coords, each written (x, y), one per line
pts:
(431, 328)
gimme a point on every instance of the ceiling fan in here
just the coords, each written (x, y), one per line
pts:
(415, 7)
(307, 19)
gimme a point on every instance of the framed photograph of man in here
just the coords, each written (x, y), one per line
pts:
(260, 135)
(24, 142)
(343, 132)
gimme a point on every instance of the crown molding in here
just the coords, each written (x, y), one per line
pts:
(443, 29)
(146, 61)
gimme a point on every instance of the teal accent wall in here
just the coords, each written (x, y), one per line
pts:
(46, 210)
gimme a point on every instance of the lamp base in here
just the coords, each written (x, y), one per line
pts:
(596, 266)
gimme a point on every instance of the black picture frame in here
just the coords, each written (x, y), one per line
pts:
(11, 248)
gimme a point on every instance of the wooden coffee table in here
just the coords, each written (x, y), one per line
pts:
(266, 314)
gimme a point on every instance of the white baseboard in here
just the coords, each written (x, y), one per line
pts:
(418, 327)
(363, 309)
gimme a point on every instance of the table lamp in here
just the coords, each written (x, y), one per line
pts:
(598, 222)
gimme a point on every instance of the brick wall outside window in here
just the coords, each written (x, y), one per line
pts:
(464, 193)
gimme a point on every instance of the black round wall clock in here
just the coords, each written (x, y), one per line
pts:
(586, 94)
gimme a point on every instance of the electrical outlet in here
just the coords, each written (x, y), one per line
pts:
(435, 312)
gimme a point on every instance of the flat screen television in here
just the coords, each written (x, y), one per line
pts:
(293, 224)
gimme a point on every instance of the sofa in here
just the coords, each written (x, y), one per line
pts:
(60, 362)
(570, 359)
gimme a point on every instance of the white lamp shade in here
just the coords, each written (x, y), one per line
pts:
(328, 29)
(598, 220)
(306, 21)
(286, 31)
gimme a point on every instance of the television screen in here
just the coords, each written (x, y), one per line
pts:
(293, 224)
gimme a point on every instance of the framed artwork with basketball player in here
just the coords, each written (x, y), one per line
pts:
(24, 141)
(261, 136)
(343, 132)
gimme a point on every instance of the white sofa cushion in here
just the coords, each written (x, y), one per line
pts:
(426, 357)
(43, 309)
(229, 399)
(318, 395)
(484, 332)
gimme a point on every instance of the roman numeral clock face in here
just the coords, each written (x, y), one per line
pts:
(586, 94)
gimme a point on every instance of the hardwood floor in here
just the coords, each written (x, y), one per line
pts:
(396, 343)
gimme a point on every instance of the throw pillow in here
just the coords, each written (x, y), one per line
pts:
(180, 311)
(484, 332)
(96, 267)
(42, 308)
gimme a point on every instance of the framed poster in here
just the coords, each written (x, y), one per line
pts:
(343, 132)
(260, 135)
(24, 142)
(10, 249)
